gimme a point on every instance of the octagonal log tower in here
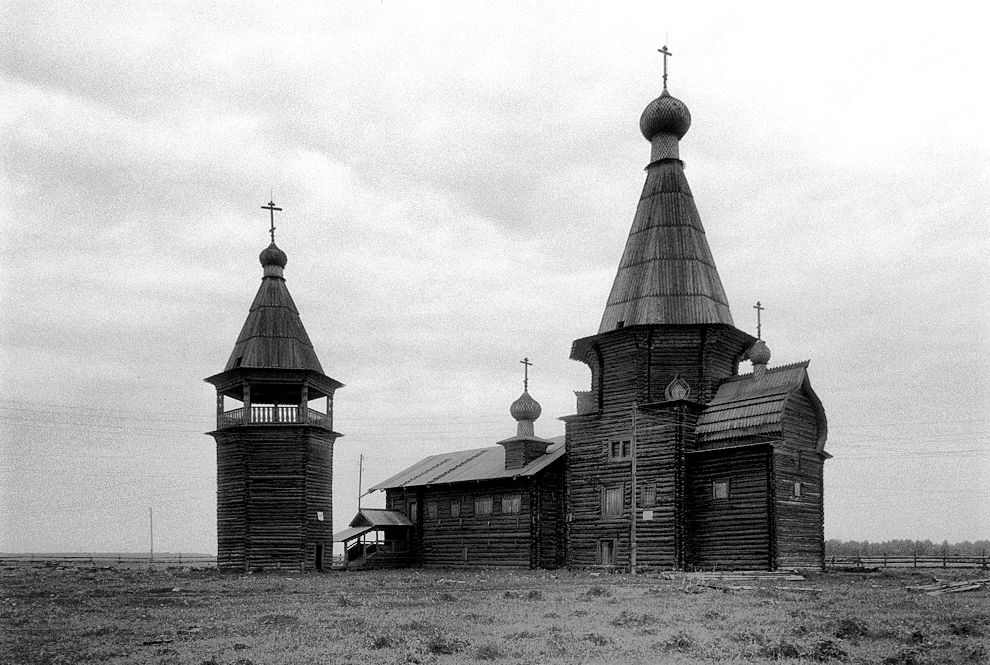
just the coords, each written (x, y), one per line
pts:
(274, 438)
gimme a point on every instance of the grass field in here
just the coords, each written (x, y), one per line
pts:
(64, 614)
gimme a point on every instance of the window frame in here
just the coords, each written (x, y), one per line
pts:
(796, 489)
(477, 505)
(619, 450)
(412, 509)
(621, 489)
(455, 507)
(648, 490)
(721, 482)
(514, 503)
(600, 551)
(432, 511)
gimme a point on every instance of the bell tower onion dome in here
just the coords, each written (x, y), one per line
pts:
(665, 115)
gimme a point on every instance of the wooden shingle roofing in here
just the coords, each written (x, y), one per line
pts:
(667, 274)
(746, 407)
(468, 465)
(273, 336)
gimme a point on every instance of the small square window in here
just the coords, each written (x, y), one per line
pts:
(620, 450)
(797, 490)
(483, 505)
(455, 508)
(720, 489)
(511, 504)
(431, 511)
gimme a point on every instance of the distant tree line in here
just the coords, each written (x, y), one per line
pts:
(905, 548)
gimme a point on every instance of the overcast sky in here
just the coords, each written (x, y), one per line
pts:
(458, 180)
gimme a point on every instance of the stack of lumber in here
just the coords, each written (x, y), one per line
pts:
(938, 588)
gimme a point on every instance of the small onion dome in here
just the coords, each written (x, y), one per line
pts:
(525, 408)
(759, 353)
(273, 256)
(667, 115)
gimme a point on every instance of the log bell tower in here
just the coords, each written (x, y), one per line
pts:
(274, 438)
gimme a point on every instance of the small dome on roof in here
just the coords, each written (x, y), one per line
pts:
(665, 114)
(759, 353)
(525, 408)
(273, 256)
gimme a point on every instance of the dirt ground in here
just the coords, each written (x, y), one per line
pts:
(66, 614)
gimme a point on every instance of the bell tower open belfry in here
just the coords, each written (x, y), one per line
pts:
(274, 437)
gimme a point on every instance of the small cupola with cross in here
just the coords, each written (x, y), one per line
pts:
(525, 446)
(274, 430)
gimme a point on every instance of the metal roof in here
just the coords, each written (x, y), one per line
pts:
(464, 465)
(379, 517)
(350, 533)
(744, 406)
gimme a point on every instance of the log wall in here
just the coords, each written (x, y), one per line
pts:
(800, 520)
(530, 538)
(634, 366)
(271, 481)
(737, 532)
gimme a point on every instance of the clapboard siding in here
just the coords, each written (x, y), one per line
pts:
(733, 533)
(530, 538)
(271, 481)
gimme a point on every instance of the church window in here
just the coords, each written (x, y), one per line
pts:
(413, 511)
(612, 501)
(483, 505)
(455, 508)
(720, 489)
(511, 504)
(620, 450)
(797, 490)
(649, 497)
(431, 511)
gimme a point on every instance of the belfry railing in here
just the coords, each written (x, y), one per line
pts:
(273, 415)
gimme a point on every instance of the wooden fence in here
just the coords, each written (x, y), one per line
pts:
(192, 561)
(909, 561)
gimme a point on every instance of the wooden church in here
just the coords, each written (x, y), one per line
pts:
(673, 459)
(274, 437)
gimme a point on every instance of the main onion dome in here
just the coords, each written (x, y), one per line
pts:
(525, 408)
(759, 353)
(273, 256)
(667, 115)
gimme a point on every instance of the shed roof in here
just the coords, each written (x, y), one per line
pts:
(745, 406)
(350, 533)
(464, 465)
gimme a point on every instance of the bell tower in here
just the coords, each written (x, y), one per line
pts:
(274, 436)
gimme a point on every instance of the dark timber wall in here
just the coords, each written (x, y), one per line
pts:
(272, 482)
(530, 538)
(736, 532)
(800, 519)
(633, 366)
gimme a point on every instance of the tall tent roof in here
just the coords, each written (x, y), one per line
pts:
(667, 274)
(273, 335)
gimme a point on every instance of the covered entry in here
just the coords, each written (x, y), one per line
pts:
(376, 538)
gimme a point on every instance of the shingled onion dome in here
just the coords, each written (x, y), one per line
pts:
(525, 410)
(759, 355)
(665, 114)
(273, 260)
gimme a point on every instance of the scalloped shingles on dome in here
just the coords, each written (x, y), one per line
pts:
(665, 114)
(525, 408)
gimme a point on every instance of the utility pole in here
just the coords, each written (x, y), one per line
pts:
(632, 523)
(151, 527)
(360, 477)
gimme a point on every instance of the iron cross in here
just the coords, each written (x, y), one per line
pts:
(526, 364)
(666, 53)
(759, 309)
(271, 209)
